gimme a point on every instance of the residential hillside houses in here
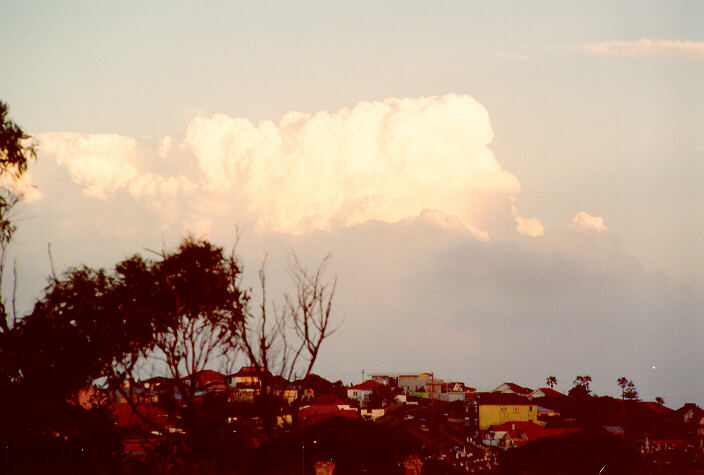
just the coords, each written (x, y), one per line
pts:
(497, 408)
(509, 416)
(424, 385)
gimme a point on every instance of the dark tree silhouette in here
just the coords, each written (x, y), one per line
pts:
(16, 149)
(41, 431)
(581, 453)
(622, 383)
(16, 152)
(285, 342)
(551, 382)
(630, 393)
(580, 386)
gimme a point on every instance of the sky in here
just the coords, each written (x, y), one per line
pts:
(506, 191)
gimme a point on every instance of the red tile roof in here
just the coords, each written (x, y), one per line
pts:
(327, 400)
(208, 376)
(368, 385)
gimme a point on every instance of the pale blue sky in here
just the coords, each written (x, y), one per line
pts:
(619, 137)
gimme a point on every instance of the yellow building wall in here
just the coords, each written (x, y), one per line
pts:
(494, 415)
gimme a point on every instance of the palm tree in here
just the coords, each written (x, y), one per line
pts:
(551, 381)
(622, 383)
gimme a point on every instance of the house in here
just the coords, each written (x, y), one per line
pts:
(322, 407)
(246, 382)
(246, 378)
(496, 408)
(414, 382)
(135, 391)
(389, 380)
(289, 393)
(455, 391)
(515, 434)
(208, 380)
(512, 388)
(362, 392)
(693, 416)
(690, 413)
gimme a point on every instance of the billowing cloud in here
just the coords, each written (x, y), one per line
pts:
(385, 160)
(529, 226)
(164, 146)
(100, 162)
(646, 48)
(585, 221)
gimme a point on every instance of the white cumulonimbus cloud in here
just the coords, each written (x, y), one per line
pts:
(102, 163)
(646, 48)
(586, 222)
(384, 160)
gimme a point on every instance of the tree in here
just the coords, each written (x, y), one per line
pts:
(286, 341)
(16, 151)
(622, 383)
(194, 298)
(183, 311)
(551, 381)
(580, 386)
(42, 431)
(630, 392)
(628, 389)
(660, 401)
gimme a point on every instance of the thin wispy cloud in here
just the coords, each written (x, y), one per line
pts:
(646, 48)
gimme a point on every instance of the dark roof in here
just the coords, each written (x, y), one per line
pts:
(501, 399)
(550, 393)
(656, 408)
(208, 377)
(690, 406)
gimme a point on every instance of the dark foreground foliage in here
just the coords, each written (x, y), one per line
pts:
(354, 446)
(580, 453)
